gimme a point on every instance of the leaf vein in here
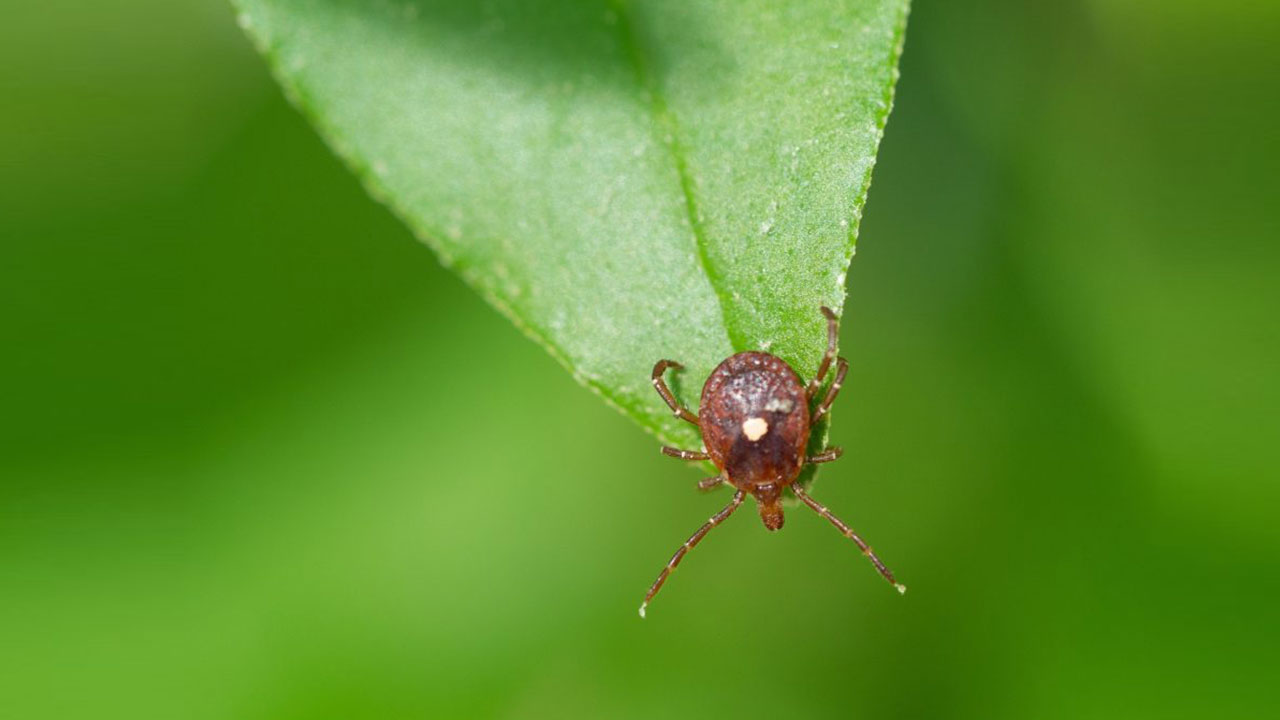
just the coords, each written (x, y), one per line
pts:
(667, 128)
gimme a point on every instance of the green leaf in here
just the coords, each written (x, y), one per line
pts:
(626, 181)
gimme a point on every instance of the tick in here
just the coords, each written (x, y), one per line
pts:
(755, 422)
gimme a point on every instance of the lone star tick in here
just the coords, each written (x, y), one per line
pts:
(755, 427)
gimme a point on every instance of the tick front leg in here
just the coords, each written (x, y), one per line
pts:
(833, 338)
(688, 545)
(842, 368)
(825, 456)
(849, 533)
(684, 454)
(661, 386)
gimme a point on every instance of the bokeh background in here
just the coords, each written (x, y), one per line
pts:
(261, 457)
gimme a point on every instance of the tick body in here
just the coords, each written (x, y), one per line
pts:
(755, 422)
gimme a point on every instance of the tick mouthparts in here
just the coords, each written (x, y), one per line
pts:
(771, 514)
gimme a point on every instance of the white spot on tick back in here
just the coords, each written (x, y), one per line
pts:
(755, 428)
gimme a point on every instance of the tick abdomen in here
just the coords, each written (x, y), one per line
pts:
(754, 416)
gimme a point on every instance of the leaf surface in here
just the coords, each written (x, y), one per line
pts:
(626, 181)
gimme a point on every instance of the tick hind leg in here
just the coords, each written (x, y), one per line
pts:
(689, 545)
(849, 533)
(661, 386)
(842, 369)
(826, 456)
(833, 338)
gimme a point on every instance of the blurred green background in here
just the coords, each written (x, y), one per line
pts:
(261, 457)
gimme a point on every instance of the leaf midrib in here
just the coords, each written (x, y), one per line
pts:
(668, 135)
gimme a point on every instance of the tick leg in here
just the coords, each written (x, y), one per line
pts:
(689, 545)
(825, 456)
(661, 386)
(710, 483)
(684, 454)
(849, 533)
(833, 337)
(842, 368)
